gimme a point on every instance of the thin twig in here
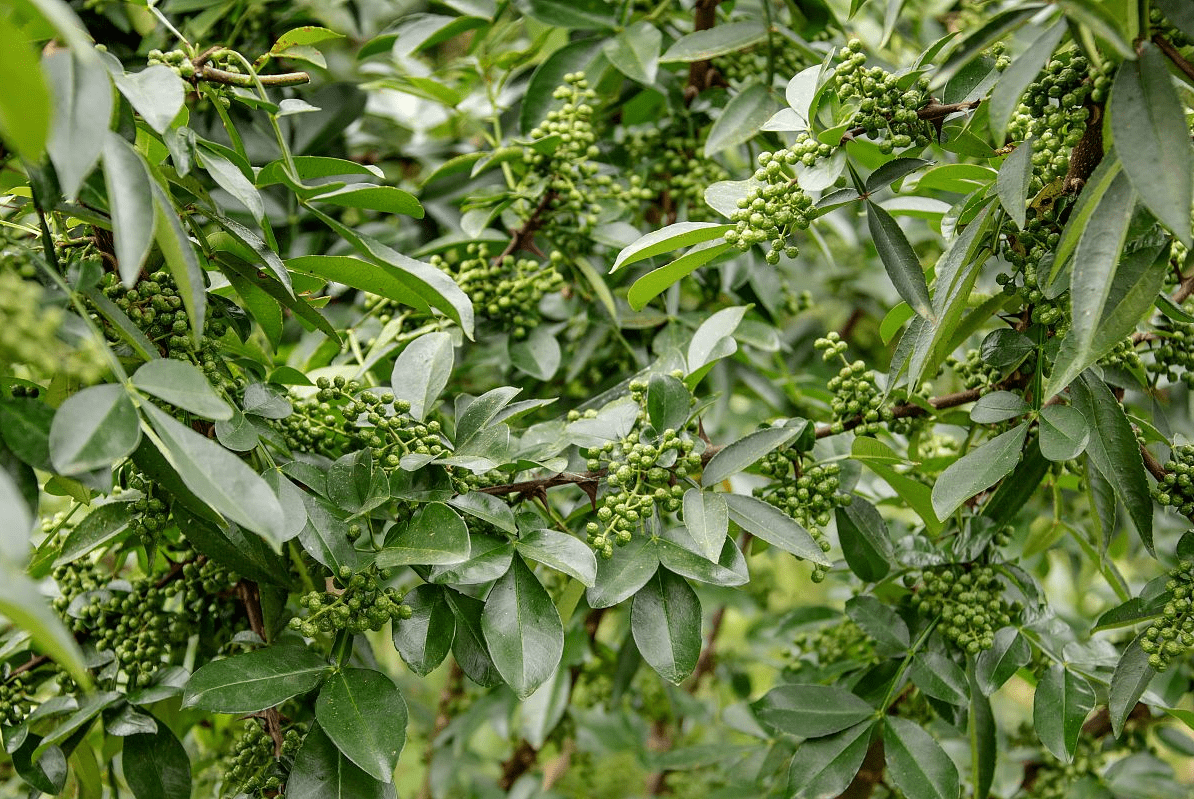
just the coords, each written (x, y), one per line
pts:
(1176, 57)
(226, 78)
(250, 597)
(933, 112)
(523, 237)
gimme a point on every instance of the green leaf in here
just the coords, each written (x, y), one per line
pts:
(899, 259)
(487, 507)
(364, 714)
(573, 14)
(992, 30)
(313, 167)
(537, 355)
(1095, 260)
(996, 665)
(25, 103)
(668, 403)
(916, 763)
(252, 681)
(22, 603)
(665, 619)
(1013, 180)
(1064, 432)
(218, 477)
(676, 553)
(1062, 701)
(978, 470)
(325, 535)
(489, 558)
(1014, 81)
(182, 384)
(181, 260)
(741, 119)
(714, 340)
(468, 647)
(718, 40)
(82, 102)
(879, 622)
(321, 771)
(575, 57)
(881, 459)
(425, 638)
(735, 457)
(893, 170)
(811, 711)
(435, 536)
(523, 630)
(1089, 199)
(1114, 450)
(418, 32)
(620, 576)
(764, 520)
(156, 92)
(130, 199)
(824, 767)
(998, 406)
(1128, 683)
(560, 551)
(304, 35)
(156, 765)
(383, 199)
(95, 427)
(231, 179)
(358, 274)
(97, 528)
(635, 51)
(865, 541)
(672, 237)
(16, 522)
(707, 518)
(940, 678)
(654, 283)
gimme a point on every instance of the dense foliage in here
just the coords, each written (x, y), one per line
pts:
(559, 398)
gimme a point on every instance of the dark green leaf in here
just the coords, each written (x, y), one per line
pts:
(995, 666)
(97, 528)
(978, 470)
(916, 763)
(823, 767)
(811, 711)
(22, 603)
(573, 14)
(865, 540)
(1114, 450)
(879, 622)
(182, 384)
(523, 630)
(252, 681)
(538, 100)
(940, 678)
(984, 742)
(668, 402)
(718, 40)
(1130, 680)
(156, 765)
(1064, 432)
(893, 170)
(1012, 183)
(736, 456)
(469, 647)
(665, 619)
(1005, 97)
(620, 576)
(1179, 14)
(364, 714)
(325, 535)
(560, 551)
(487, 507)
(181, 260)
(25, 427)
(383, 199)
(321, 771)
(1062, 701)
(94, 428)
(900, 260)
(130, 199)
(707, 518)
(489, 558)
(741, 119)
(993, 29)
(82, 102)
(424, 639)
(479, 413)
(435, 535)
(764, 520)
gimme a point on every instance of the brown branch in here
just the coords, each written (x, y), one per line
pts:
(519, 763)
(29, 665)
(702, 74)
(226, 78)
(523, 237)
(453, 690)
(1154, 466)
(250, 597)
(870, 775)
(1088, 152)
(1168, 49)
(933, 112)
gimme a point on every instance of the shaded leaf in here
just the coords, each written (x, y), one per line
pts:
(665, 619)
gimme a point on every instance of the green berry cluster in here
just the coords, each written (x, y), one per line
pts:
(1172, 634)
(809, 494)
(1056, 779)
(153, 512)
(888, 109)
(1123, 356)
(341, 417)
(15, 702)
(641, 471)
(252, 769)
(1055, 110)
(29, 343)
(742, 66)
(835, 644)
(360, 604)
(1173, 355)
(968, 600)
(155, 306)
(677, 172)
(972, 370)
(776, 207)
(178, 62)
(856, 395)
(1176, 489)
(506, 290)
(1026, 251)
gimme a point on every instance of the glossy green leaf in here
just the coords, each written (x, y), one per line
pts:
(1064, 432)
(435, 536)
(714, 340)
(741, 119)
(97, 528)
(256, 680)
(736, 456)
(229, 177)
(764, 520)
(469, 647)
(489, 559)
(1114, 450)
(676, 554)
(940, 678)
(573, 14)
(130, 198)
(182, 384)
(560, 551)
(1015, 173)
(156, 765)
(992, 30)
(978, 470)
(665, 619)
(707, 518)
(218, 477)
(1062, 701)
(1128, 683)
(523, 630)
(811, 711)
(156, 92)
(487, 507)
(364, 714)
(25, 103)
(383, 199)
(899, 259)
(996, 665)
(82, 102)
(866, 543)
(916, 763)
(672, 237)
(668, 403)
(654, 283)
(574, 57)
(22, 603)
(824, 767)
(620, 576)
(1005, 97)
(881, 459)
(425, 638)
(718, 40)
(321, 771)
(635, 51)
(998, 406)
(95, 427)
